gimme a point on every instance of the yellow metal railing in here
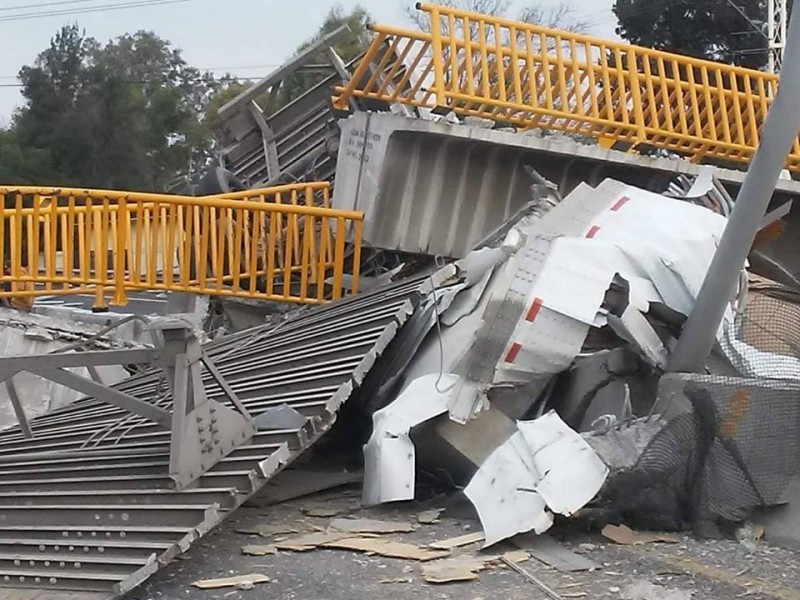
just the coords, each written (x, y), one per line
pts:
(282, 243)
(532, 76)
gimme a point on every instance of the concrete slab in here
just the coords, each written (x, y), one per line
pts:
(438, 188)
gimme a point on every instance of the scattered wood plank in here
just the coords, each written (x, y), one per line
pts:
(256, 550)
(396, 580)
(457, 542)
(451, 570)
(550, 552)
(370, 526)
(624, 535)
(213, 584)
(517, 556)
(386, 548)
(310, 541)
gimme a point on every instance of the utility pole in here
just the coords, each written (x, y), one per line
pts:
(776, 33)
(777, 136)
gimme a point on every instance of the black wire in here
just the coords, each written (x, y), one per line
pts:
(89, 10)
(43, 4)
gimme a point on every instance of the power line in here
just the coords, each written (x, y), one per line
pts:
(752, 23)
(88, 10)
(43, 4)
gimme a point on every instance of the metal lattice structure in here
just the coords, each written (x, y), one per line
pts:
(777, 21)
(536, 77)
(90, 504)
(281, 243)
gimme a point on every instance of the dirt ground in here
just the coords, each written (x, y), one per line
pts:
(691, 568)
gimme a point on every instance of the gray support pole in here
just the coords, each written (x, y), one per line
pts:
(779, 133)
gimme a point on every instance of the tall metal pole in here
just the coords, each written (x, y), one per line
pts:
(771, 36)
(779, 133)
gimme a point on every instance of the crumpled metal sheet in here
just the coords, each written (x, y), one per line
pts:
(664, 261)
(389, 455)
(544, 468)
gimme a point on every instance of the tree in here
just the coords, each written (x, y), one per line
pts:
(349, 46)
(713, 29)
(229, 88)
(561, 15)
(558, 15)
(126, 115)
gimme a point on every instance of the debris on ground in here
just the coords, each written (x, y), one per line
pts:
(369, 526)
(449, 570)
(457, 542)
(426, 517)
(236, 581)
(256, 550)
(384, 547)
(622, 534)
(550, 552)
(532, 579)
(309, 541)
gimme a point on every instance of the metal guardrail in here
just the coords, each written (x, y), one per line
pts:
(282, 243)
(535, 77)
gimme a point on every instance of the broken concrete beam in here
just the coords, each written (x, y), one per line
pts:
(437, 188)
(478, 438)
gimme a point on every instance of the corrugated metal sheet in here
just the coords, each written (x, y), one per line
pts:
(87, 503)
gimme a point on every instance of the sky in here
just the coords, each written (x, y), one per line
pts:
(247, 38)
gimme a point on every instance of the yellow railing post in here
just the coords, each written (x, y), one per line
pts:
(636, 95)
(357, 227)
(119, 247)
(438, 59)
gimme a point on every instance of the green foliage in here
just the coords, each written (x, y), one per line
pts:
(124, 115)
(349, 46)
(131, 114)
(229, 89)
(712, 29)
